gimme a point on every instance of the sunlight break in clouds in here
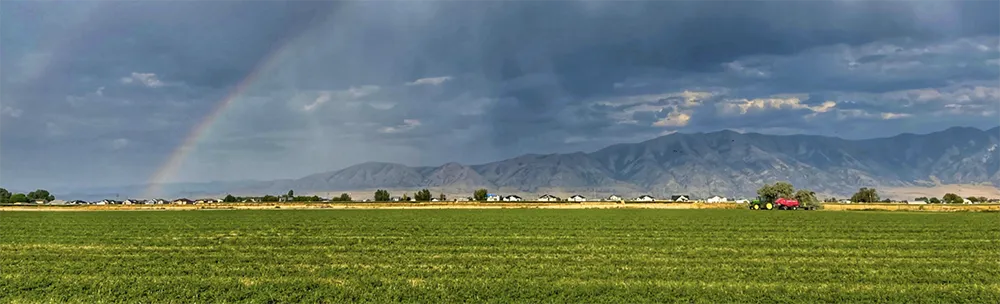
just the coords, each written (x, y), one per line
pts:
(146, 79)
(429, 81)
(408, 124)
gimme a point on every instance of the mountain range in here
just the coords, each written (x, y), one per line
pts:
(700, 164)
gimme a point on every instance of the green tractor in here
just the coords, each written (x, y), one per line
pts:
(758, 204)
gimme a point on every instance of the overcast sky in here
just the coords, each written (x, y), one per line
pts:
(102, 93)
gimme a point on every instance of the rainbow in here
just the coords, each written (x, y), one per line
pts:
(169, 168)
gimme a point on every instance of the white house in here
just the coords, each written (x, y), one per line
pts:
(614, 198)
(742, 201)
(462, 199)
(131, 202)
(577, 198)
(490, 197)
(916, 203)
(680, 198)
(512, 198)
(183, 201)
(645, 198)
(716, 199)
(966, 201)
(548, 198)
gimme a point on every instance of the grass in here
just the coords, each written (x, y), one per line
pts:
(498, 256)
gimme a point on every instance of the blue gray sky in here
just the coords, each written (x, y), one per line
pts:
(97, 93)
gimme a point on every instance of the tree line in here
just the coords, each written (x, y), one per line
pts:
(951, 198)
(424, 195)
(288, 197)
(6, 197)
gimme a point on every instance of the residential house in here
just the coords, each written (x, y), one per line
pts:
(512, 198)
(396, 198)
(680, 198)
(577, 198)
(39, 201)
(716, 199)
(435, 200)
(462, 199)
(645, 198)
(131, 202)
(917, 203)
(548, 198)
(742, 201)
(78, 202)
(966, 201)
(614, 198)
(182, 201)
(490, 197)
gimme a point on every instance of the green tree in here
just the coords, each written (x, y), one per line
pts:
(951, 198)
(479, 195)
(934, 200)
(973, 199)
(806, 197)
(406, 197)
(442, 197)
(269, 198)
(290, 194)
(865, 195)
(423, 195)
(19, 198)
(982, 199)
(381, 195)
(4, 196)
(40, 194)
(920, 199)
(230, 199)
(344, 197)
(770, 193)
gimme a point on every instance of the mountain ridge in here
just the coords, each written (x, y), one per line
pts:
(722, 162)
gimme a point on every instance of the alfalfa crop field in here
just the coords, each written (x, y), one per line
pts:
(499, 256)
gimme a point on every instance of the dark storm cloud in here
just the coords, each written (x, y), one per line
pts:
(422, 82)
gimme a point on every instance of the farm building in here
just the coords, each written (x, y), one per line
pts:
(548, 198)
(577, 198)
(716, 199)
(645, 198)
(490, 197)
(512, 198)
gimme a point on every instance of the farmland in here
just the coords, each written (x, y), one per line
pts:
(498, 256)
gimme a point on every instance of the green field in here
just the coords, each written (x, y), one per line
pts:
(499, 256)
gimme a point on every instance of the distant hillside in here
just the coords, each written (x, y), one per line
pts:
(700, 164)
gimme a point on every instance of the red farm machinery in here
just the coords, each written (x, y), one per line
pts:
(780, 204)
